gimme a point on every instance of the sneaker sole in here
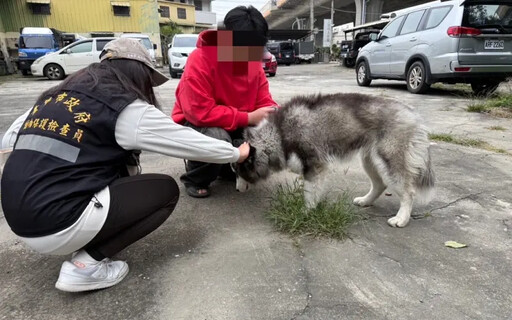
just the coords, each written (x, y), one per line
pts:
(91, 286)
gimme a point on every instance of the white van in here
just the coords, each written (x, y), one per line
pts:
(146, 41)
(179, 49)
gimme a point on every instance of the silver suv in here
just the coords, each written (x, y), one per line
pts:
(448, 41)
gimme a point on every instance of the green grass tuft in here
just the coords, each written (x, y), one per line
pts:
(499, 106)
(329, 219)
(467, 142)
(497, 128)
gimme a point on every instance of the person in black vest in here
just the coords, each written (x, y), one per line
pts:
(66, 187)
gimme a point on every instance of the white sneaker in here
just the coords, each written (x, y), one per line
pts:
(77, 276)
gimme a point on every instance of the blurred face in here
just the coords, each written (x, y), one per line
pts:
(239, 46)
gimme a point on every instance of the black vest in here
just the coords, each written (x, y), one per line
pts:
(64, 153)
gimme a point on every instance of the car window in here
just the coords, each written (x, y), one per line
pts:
(286, 46)
(437, 16)
(82, 47)
(412, 22)
(488, 15)
(101, 43)
(187, 42)
(392, 28)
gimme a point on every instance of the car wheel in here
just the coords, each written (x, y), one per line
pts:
(349, 63)
(24, 72)
(174, 75)
(484, 88)
(272, 74)
(362, 74)
(54, 72)
(416, 78)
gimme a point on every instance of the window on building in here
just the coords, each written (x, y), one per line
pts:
(123, 11)
(199, 5)
(182, 13)
(40, 8)
(164, 12)
(183, 1)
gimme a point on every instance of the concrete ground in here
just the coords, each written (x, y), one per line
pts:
(219, 258)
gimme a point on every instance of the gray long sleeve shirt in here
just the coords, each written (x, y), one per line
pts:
(141, 126)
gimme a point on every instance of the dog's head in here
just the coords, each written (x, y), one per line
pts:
(254, 168)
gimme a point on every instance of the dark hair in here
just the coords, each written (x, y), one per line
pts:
(133, 76)
(244, 18)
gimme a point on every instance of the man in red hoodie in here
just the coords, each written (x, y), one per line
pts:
(224, 89)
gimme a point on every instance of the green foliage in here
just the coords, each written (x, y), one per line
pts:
(289, 213)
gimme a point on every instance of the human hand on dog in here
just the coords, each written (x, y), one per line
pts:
(258, 115)
(244, 152)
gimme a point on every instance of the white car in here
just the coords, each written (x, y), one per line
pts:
(70, 59)
(146, 42)
(180, 48)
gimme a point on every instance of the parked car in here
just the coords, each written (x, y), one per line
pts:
(350, 48)
(179, 49)
(78, 55)
(146, 42)
(443, 42)
(283, 51)
(269, 63)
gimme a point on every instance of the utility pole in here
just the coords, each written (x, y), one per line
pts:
(363, 12)
(332, 23)
(312, 18)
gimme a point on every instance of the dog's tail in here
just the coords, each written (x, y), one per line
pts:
(424, 177)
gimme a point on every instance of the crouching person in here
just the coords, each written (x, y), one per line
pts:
(66, 188)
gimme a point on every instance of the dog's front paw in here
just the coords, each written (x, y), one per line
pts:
(362, 202)
(398, 222)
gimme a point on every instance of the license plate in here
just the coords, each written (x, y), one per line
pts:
(287, 56)
(344, 55)
(494, 44)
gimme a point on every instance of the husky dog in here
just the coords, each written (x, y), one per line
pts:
(310, 131)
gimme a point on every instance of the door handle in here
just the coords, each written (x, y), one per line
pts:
(413, 39)
(388, 45)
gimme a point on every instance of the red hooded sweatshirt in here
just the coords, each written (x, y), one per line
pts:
(219, 94)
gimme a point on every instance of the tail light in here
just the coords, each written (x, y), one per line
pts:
(462, 69)
(279, 54)
(458, 32)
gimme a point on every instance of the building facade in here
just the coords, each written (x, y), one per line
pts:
(90, 18)
(191, 16)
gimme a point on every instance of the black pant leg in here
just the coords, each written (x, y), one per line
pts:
(138, 206)
(201, 174)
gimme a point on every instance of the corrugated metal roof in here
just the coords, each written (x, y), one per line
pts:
(39, 1)
(120, 3)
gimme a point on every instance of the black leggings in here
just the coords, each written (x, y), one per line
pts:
(138, 206)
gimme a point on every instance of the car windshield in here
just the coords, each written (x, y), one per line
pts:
(35, 42)
(185, 42)
(481, 16)
(286, 46)
(147, 43)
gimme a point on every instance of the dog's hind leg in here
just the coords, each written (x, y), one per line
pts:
(313, 182)
(404, 213)
(377, 185)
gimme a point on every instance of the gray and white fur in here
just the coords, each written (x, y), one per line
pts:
(308, 132)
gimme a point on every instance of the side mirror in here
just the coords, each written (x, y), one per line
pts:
(374, 36)
(69, 51)
(169, 45)
(154, 46)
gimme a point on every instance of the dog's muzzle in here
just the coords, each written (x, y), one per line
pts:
(241, 184)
